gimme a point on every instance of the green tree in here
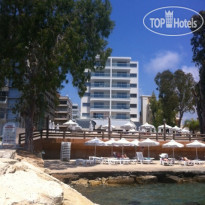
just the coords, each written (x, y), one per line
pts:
(184, 86)
(156, 111)
(192, 124)
(167, 95)
(175, 94)
(198, 48)
(43, 41)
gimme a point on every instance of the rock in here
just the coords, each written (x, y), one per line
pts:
(83, 182)
(72, 197)
(104, 180)
(29, 187)
(173, 179)
(94, 182)
(146, 179)
(200, 178)
(120, 180)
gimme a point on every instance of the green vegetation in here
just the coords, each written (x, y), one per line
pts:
(192, 124)
(156, 110)
(175, 95)
(198, 47)
(42, 41)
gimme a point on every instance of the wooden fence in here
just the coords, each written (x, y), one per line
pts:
(51, 134)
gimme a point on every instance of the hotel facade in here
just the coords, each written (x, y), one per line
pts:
(113, 92)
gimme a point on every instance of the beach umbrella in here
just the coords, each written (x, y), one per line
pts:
(176, 129)
(172, 144)
(95, 142)
(132, 130)
(196, 144)
(107, 126)
(185, 131)
(90, 126)
(148, 143)
(166, 127)
(110, 143)
(135, 143)
(122, 142)
(147, 126)
(128, 126)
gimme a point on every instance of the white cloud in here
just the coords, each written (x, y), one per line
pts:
(163, 61)
(193, 70)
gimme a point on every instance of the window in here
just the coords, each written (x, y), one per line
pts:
(87, 84)
(133, 65)
(63, 102)
(133, 116)
(121, 116)
(133, 95)
(98, 115)
(133, 105)
(85, 114)
(98, 94)
(133, 85)
(87, 94)
(133, 75)
(86, 104)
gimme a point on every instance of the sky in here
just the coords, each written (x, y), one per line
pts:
(155, 53)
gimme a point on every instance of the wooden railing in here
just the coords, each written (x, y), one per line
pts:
(51, 134)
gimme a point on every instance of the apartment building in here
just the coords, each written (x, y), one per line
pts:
(145, 115)
(63, 111)
(113, 92)
(75, 111)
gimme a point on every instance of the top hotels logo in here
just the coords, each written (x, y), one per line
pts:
(172, 21)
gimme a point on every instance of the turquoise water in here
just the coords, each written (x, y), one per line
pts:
(151, 194)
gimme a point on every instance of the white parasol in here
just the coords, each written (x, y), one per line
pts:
(95, 142)
(196, 144)
(128, 126)
(148, 143)
(173, 144)
(122, 142)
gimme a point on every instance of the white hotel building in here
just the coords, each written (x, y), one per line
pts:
(112, 92)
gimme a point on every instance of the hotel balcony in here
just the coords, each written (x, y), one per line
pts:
(99, 107)
(121, 108)
(100, 76)
(95, 97)
(121, 86)
(121, 98)
(95, 86)
(121, 76)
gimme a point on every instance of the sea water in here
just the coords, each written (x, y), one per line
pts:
(150, 194)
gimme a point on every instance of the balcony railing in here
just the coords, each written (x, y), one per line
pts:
(100, 85)
(120, 117)
(100, 107)
(121, 75)
(121, 64)
(120, 96)
(100, 74)
(121, 107)
(100, 96)
(120, 85)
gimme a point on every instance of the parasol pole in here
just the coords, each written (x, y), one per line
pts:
(196, 153)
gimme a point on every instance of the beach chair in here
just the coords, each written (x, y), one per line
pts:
(186, 162)
(143, 160)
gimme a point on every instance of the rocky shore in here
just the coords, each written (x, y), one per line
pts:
(24, 181)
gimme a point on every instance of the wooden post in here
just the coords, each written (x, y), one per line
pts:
(139, 136)
(156, 136)
(20, 139)
(63, 134)
(102, 134)
(173, 136)
(41, 133)
(189, 137)
(47, 126)
(84, 134)
(120, 135)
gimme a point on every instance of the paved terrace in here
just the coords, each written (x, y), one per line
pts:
(61, 167)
